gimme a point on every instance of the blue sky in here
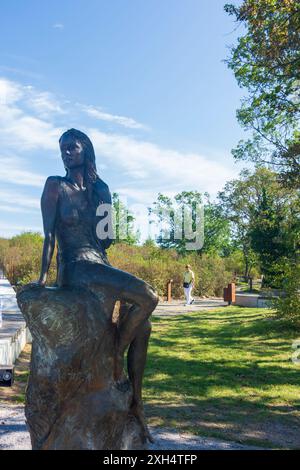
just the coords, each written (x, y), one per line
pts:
(145, 79)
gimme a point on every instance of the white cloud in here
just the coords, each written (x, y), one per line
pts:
(140, 196)
(44, 103)
(124, 121)
(19, 200)
(9, 230)
(27, 117)
(10, 209)
(21, 130)
(10, 92)
(58, 26)
(139, 168)
(24, 132)
(159, 169)
(12, 171)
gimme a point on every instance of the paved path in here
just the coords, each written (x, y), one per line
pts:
(177, 307)
(14, 435)
(13, 430)
(12, 318)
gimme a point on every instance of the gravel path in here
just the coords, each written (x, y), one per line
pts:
(14, 435)
(13, 431)
(177, 307)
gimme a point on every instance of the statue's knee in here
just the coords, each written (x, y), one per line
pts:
(152, 298)
(147, 328)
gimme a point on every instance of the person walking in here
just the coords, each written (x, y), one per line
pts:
(188, 284)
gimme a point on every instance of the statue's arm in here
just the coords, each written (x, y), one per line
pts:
(49, 208)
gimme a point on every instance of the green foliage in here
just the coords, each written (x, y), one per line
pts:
(210, 223)
(269, 239)
(21, 258)
(156, 266)
(266, 62)
(288, 306)
(124, 223)
(265, 219)
(217, 237)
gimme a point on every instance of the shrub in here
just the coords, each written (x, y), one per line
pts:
(156, 266)
(288, 305)
(21, 259)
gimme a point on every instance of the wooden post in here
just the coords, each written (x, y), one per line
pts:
(225, 294)
(169, 290)
(251, 283)
(231, 293)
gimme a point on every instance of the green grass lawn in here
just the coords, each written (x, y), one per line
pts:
(225, 373)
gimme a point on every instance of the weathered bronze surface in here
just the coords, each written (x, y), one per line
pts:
(79, 396)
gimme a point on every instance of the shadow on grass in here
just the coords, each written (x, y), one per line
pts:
(227, 420)
(199, 376)
(237, 380)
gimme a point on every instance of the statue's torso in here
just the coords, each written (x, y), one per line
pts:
(76, 226)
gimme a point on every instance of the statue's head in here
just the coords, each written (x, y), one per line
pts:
(77, 150)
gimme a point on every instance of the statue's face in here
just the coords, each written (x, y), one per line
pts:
(72, 152)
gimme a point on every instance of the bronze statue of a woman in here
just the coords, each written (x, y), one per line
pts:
(69, 206)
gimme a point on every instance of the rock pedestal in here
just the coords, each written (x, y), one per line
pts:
(72, 400)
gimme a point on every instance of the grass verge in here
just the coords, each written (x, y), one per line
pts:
(225, 373)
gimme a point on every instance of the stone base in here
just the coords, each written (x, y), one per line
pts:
(72, 400)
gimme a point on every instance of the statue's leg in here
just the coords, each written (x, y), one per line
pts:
(136, 362)
(136, 358)
(143, 300)
(133, 329)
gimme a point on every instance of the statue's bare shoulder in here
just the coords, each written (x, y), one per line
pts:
(51, 190)
(52, 185)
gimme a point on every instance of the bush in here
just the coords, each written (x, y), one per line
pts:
(21, 258)
(288, 306)
(156, 266)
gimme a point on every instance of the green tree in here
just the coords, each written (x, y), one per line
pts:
(209, 223)
(217, 236)
(264, 217)
(266, 62)
(268, 236)
(124, 223)
(288, 305)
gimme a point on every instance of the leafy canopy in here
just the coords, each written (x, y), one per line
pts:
(266, 62)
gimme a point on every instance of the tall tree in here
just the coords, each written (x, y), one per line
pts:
(124, 223)
(266, 62)
(189, 212)
(268, 235)
(265, 219)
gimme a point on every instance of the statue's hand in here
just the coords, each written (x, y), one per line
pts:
(38, 283)
(30, 285)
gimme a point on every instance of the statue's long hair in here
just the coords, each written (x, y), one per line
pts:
(90, 171)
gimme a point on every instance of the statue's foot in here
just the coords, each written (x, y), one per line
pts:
(137, 410)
